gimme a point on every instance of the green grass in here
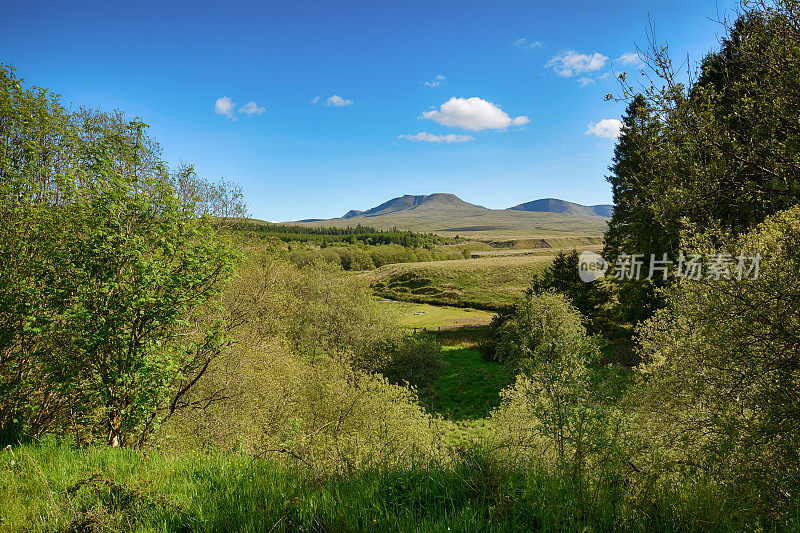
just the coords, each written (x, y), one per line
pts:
(52, 487)
(483, 283)
(467, 387)
(425, 316)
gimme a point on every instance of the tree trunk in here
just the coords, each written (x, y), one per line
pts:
(114, 433)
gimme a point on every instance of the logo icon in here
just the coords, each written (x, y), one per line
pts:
(591, 266)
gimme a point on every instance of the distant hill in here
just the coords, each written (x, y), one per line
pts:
(449, 215)
(350, 214)
(407, 202)
(554, 205)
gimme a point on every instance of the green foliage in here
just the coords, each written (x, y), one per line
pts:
(107, 278)
(557, 413)
(314, 309)
(544, 327)
(720, 152)
(720, 391)
(413, 358)
(296, 383)
(327, 236)
(591, 299)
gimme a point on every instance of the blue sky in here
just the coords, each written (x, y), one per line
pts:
(528, 80)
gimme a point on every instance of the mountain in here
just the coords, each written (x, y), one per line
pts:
(408, 202)
(554, 205)
(447, 214)
(352, 213)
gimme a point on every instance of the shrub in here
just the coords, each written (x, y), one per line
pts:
(720, 392)
(411, 358)
(544, 327)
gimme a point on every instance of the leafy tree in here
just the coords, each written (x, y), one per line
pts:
(544, 326)
(721, 390)
(726, 151)
(633, 227)
(107, 276)
(561, 275)
(553, 408)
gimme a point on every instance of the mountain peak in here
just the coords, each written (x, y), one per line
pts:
(554, 205)
(439, 200)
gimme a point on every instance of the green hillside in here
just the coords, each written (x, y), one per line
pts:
(554, 205)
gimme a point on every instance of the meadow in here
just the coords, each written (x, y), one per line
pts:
(484, 283)
(424, 316)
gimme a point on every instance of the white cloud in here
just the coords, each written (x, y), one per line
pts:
(316, 99)
(438, 80)
(424, 136)
(586, 81)
(608, 128)
(251, 108)
(473, 114)
(630, 59)
(337, 101)
(525, 43)
(572, 63)
(224, 106)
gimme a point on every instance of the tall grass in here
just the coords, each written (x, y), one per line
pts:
(48, 486)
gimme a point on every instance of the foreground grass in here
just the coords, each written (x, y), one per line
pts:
(52, 487)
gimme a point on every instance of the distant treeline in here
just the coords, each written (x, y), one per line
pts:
(350, 235)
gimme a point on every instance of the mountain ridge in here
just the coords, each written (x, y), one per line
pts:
(555, 205)
(409, 202)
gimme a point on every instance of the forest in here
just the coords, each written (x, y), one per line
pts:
(167, 363)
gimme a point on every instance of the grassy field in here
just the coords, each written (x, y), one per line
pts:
(468, 387)
(481, 224)
(425, 316)
(483, 283)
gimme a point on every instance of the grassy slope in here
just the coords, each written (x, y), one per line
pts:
(485, 283)
(483, 224)
(414, 315)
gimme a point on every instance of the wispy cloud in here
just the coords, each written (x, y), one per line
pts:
(437, 81)
(337, 101)
(225, 106)
(630, 59)
(608, 128)
(572, 63)
(251, 108)
(525, 43)
(424, 136)
(473, 114)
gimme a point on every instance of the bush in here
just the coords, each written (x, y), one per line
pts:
(411, 358)
(554, 413)
(720, 392)
(109, 272)
(544, 327)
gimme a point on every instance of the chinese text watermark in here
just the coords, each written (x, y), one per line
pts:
(592, 266)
